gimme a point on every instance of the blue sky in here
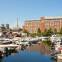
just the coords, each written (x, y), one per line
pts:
(28, 9)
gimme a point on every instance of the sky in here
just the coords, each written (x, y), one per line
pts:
(27, 10)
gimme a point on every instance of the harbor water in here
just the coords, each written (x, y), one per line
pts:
(26, 56)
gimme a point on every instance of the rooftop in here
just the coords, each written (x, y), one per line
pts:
(32, 20)
(53, 17)
(46, 18)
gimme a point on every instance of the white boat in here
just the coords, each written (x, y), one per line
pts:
(24, 42)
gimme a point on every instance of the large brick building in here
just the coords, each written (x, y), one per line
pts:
(44, 23)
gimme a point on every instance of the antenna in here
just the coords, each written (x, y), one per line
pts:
(17, 23)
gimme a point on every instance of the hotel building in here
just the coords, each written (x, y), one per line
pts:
(44, 23)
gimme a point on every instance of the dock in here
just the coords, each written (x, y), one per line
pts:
(8, 45)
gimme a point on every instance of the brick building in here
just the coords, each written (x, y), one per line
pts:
(44, 23)
(31, 25)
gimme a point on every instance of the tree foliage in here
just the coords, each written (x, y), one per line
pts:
(25, 31)
(55, 31)
(33, 34)
(60, 31)
(48, 32)
(39, 32)
(47, 42)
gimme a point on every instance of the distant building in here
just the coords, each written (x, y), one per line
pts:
(2, 25)
(7, 26)
(43, 23)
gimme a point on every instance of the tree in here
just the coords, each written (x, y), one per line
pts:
(39, 32)
(48, 32)
(25, 31)
(47, 42)
(60, 31)
(44, 33)
(55, 31)
(33, 34)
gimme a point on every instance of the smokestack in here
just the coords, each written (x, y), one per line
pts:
(17, 23)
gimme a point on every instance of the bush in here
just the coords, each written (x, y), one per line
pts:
(47, 42)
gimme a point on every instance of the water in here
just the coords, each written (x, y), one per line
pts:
(25, 56)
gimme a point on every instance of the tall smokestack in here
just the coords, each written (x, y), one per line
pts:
(17, 23)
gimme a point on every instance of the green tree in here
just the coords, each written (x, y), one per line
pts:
(55, 31)
(39, 32)
(33, 34)
(44, 33)
(47, 42)
(60, 31)
(48, 32)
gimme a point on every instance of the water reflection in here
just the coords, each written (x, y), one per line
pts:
(1, 60)
(25, 56)
(9, 51)
(12, 55)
